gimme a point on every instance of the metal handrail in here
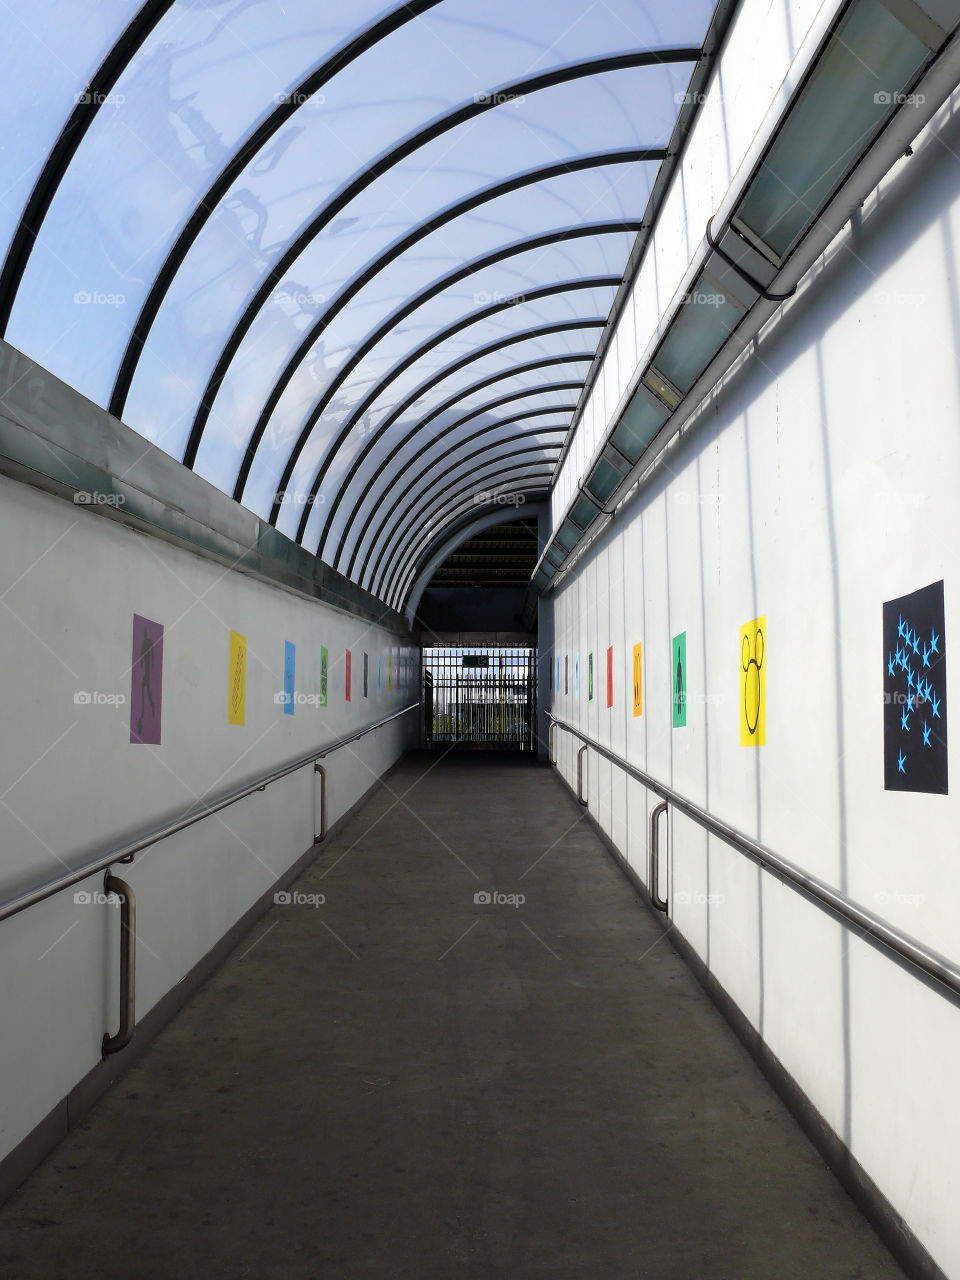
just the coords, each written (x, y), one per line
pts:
(658, 900)
(128, 960)
(125, 852)
(584, 800)
(915, 953)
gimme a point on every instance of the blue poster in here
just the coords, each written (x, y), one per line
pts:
(915, 692)
(289, 664)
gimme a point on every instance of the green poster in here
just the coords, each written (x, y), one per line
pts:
(590, 678)
(324, 673)
(678, 678)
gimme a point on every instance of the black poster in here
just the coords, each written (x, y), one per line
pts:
(915, 692)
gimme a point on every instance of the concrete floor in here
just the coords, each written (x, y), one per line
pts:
(404, 1083)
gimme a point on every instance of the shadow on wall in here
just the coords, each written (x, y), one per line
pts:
(910, 205)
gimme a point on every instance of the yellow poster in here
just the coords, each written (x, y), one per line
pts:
(638, 679)
(753, 683)
(237, 691)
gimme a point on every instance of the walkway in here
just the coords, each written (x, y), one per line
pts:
(402, 1083)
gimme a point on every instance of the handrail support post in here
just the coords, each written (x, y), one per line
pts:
(128, 957)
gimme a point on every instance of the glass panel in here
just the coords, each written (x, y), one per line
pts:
(529, 314)
(441, 476)
(706, 319)
(210, 73)
(205, 77)
(509, 282)
(603, 480)
(638, 426)
(399, 568)
(865, 65)
(360, 514)
(583, 512)
(568, 535)
(48, 55)
(555, 556)
(613, 192)
(227, 264)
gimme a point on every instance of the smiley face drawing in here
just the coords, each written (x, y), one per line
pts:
(753, 683)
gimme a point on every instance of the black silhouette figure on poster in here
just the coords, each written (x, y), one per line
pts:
(678, 705)
(146, 680)
(915, 692)
(146, 670)
(752, 724)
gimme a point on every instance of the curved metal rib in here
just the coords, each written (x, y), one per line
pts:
(408, 575)
(588, 231)
(359, 44)
(449, 427)
(532, 295)
(480, 104)
(525, 335)
(493, 404)
(396, 512)
(395, 567)
(399, 247)
(415, 430)
(65, 148)
(456, 532)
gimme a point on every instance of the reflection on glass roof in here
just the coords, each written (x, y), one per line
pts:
(343, 260)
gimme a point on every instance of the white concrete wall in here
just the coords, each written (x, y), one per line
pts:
(71, 783)
(820, 481)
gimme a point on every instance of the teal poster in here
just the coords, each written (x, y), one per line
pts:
(289, 666)
(678, 679)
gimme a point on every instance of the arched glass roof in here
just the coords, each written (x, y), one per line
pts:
(345, 261)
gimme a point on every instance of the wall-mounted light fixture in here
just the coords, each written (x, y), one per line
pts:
(869, 82)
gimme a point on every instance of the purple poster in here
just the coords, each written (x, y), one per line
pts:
(146, 680)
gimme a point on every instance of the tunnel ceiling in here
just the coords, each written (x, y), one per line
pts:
(503, 556)
(350, 263)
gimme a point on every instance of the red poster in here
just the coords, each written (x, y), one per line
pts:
(347, 669)
(610, 676)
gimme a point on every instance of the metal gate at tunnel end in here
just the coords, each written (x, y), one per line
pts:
(479, 698)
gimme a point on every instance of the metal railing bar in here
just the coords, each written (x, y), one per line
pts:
(125, 852)
(915, 953)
